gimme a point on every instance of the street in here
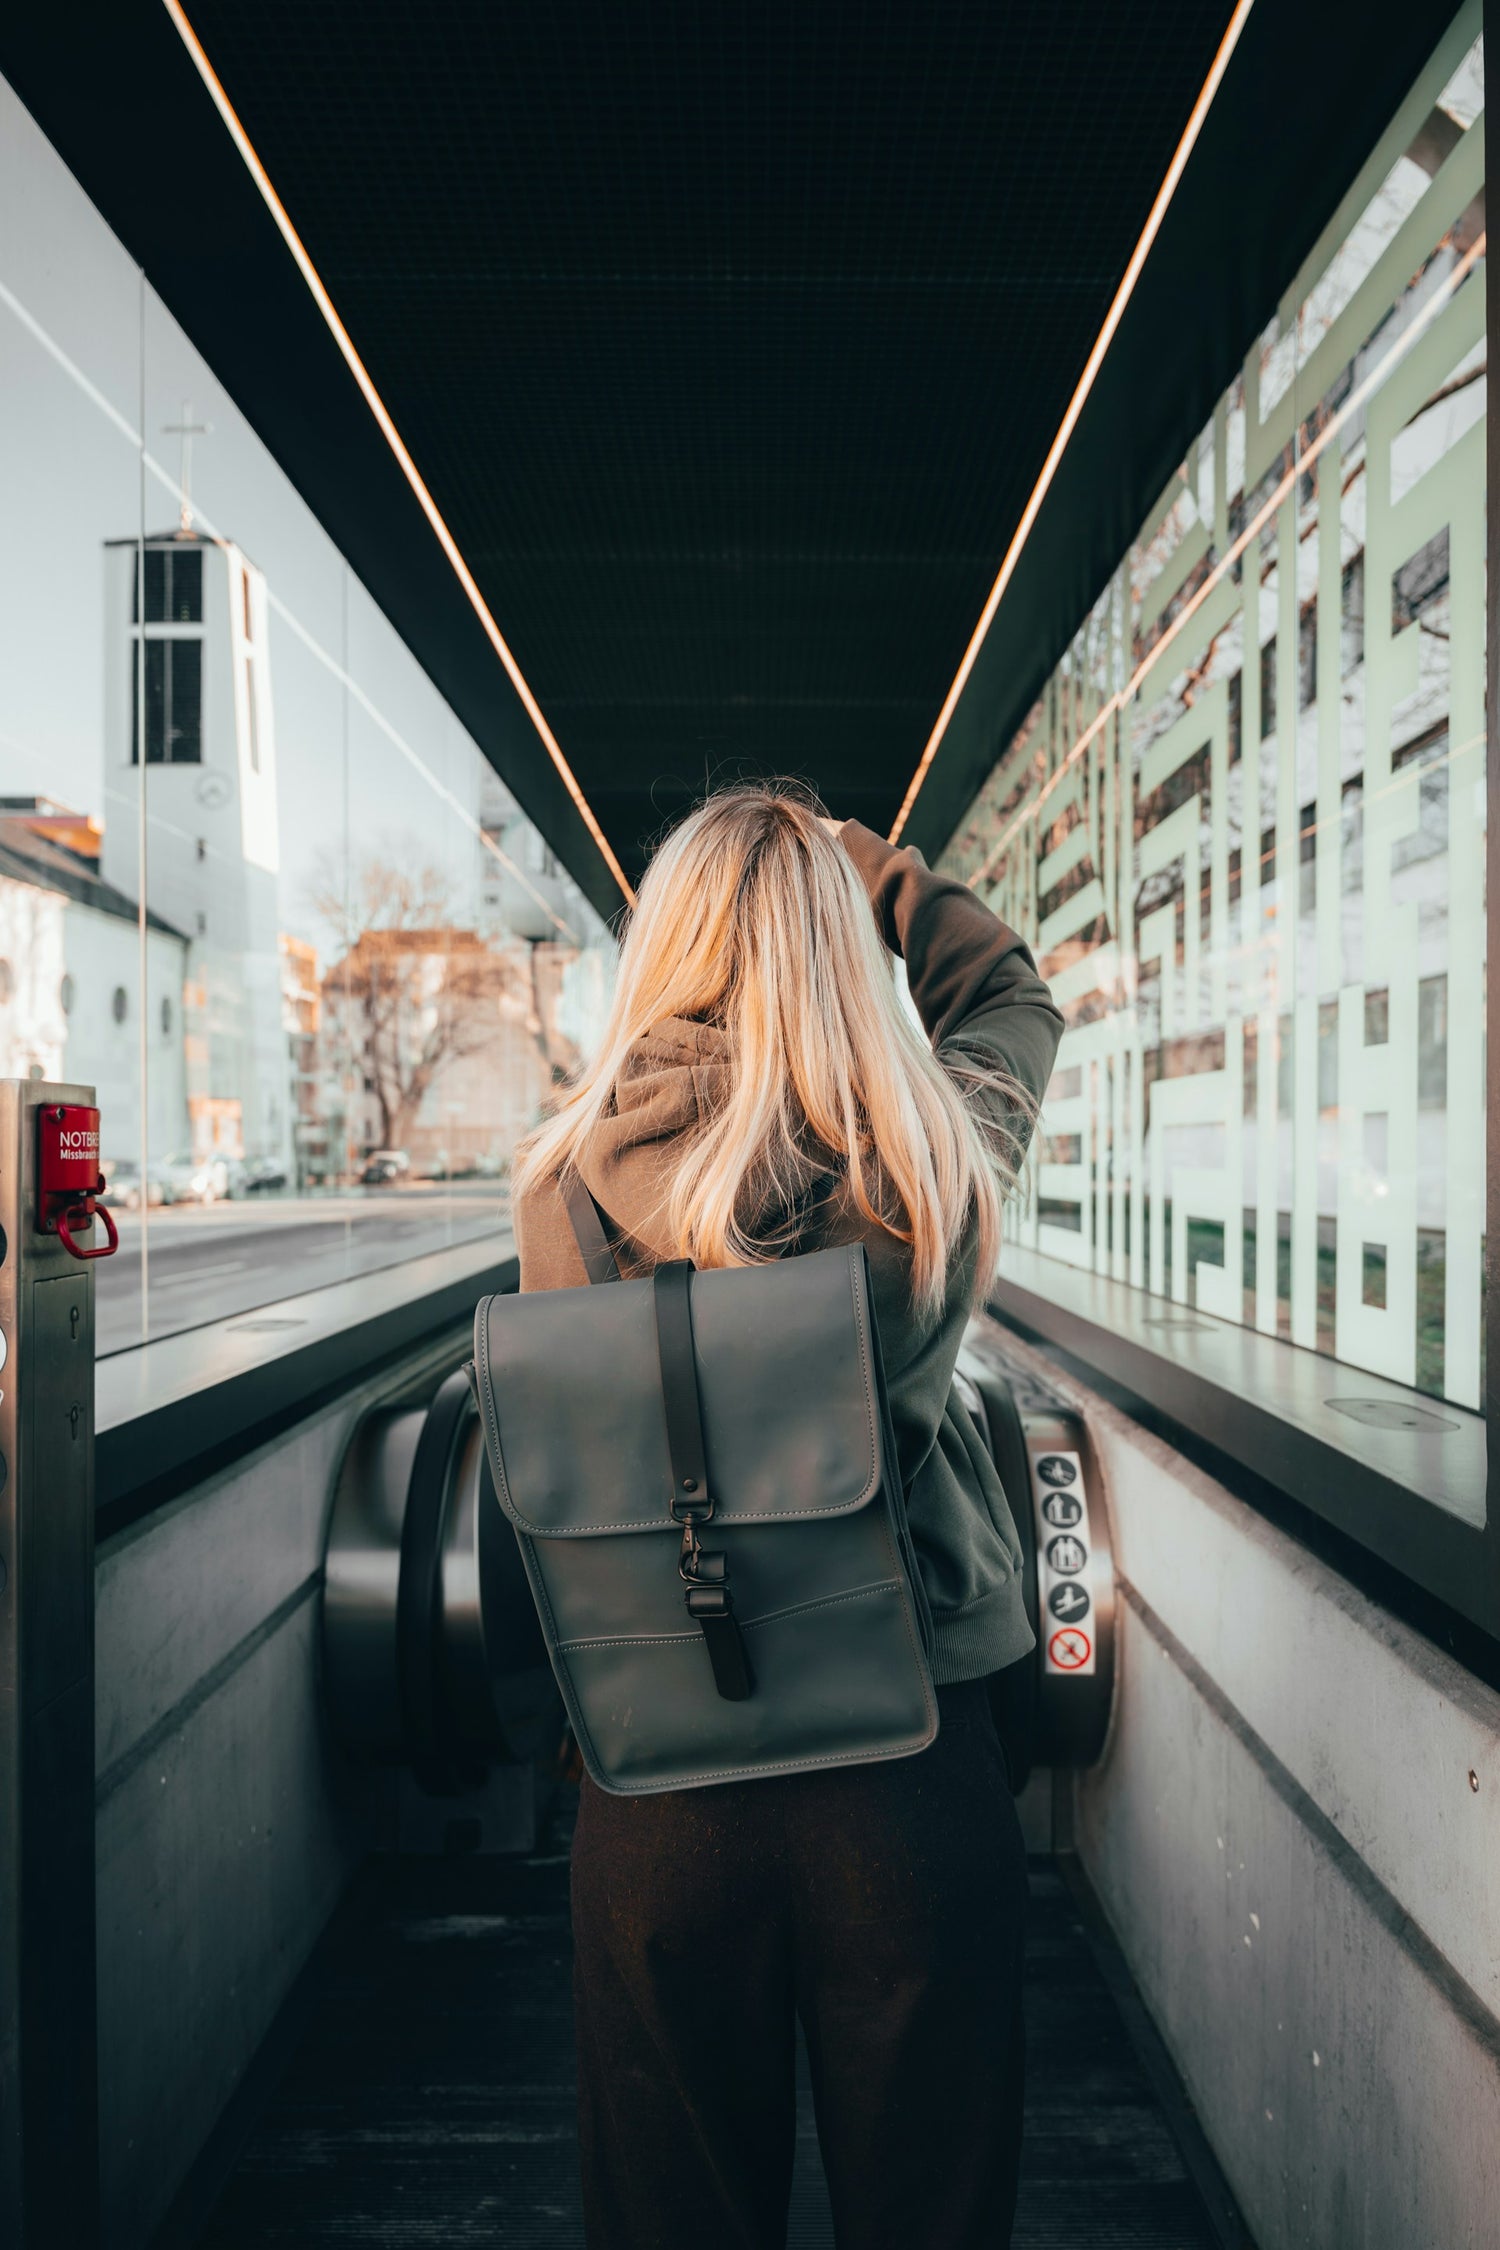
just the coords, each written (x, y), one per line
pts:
(208, 1261)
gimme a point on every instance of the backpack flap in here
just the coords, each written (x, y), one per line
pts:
(775, 1623)
(570, 1382)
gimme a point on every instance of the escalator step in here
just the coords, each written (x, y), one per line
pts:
(430, 2097)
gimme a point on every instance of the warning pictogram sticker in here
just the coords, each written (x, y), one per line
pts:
(1066, 1555)
(1068, 1601)
(1065, 1567)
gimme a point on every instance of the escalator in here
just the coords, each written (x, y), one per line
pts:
(420, 2087)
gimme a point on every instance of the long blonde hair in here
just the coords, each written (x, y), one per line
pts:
(753, 917)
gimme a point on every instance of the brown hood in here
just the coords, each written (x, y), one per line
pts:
(674, 1076)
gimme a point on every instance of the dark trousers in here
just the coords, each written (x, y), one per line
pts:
(881, 1904)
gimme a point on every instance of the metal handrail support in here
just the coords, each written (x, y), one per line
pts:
(49, 2132)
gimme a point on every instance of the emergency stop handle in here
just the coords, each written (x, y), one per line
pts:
(68, 1178)
(85, 1218)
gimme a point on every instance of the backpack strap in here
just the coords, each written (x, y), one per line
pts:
(671, 1286)
(705, 1575)
(588, 1229)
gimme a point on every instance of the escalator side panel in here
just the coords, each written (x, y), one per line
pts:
(361, 1570)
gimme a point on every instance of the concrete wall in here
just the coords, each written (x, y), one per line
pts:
(228, 1823)
(1302, 1875)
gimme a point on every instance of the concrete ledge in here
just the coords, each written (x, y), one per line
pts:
(1350, 2103)
(1404, 1475)
(1289, 1846)
(168, 1413)
(1381, 1728)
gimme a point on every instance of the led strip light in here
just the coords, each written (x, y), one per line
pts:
(393, 437)
(1102, 341)
(1302, 461)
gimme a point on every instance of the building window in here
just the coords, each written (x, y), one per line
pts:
(174, 586)
(1352, 623)
(119, 1006)
(174, 702)
(7, 983)
(166, 1018)
(65, 995)
(1268, 689)
(250, 719)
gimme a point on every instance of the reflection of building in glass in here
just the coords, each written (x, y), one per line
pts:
(585, 995)
(70, 977)
(301, 1010)
(498, 811)
(188, 679)
(450, 1044)
(525, 893)
(522, 889)
(1243, 825)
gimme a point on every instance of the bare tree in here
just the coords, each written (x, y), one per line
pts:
(558, 1053)
(416, 991)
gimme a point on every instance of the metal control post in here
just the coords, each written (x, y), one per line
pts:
(49, 2165)
(1055, 1709)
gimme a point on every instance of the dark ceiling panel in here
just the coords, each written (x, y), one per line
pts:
(726, 337)
(729, 340)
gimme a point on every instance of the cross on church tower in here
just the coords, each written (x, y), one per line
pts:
(187, 429)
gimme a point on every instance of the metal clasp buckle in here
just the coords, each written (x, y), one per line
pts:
(690, 1513)
(694, 1566)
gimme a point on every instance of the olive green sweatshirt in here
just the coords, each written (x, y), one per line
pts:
(976, 989)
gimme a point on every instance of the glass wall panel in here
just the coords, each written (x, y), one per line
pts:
(87, 991)
(1244, 824)
(251, 867)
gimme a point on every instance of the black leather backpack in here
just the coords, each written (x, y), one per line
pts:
(702, 1475)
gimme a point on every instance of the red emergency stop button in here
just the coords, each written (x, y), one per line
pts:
(68, 1177)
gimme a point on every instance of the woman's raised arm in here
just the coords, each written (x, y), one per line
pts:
(971, 977)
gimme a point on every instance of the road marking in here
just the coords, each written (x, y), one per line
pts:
(203, 1273)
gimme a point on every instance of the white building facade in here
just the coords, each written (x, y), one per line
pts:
(187, 668)
(70, 982)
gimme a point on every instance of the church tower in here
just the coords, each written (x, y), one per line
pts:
(188, 695)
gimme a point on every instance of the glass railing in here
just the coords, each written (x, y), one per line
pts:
(257, 884)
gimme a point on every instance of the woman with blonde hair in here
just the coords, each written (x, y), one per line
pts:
(762, 1088)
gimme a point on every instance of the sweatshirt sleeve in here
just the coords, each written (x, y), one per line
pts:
(971, 977)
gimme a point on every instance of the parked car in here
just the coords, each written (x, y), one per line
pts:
(124, 1189)
(384, 1167)
(262, 1175)
(193, 1179)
